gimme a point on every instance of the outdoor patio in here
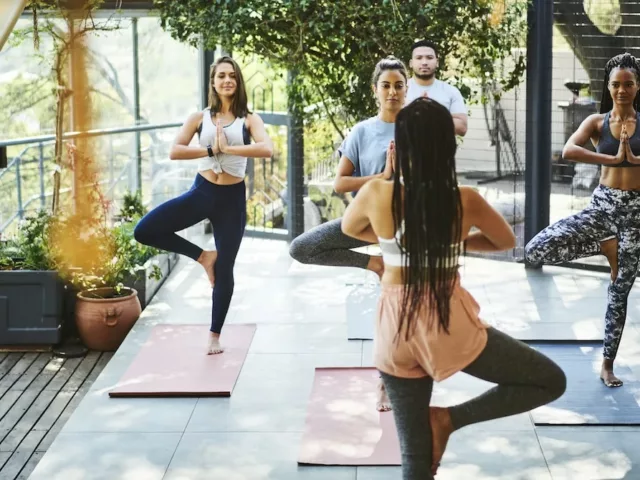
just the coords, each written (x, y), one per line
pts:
(301, 324)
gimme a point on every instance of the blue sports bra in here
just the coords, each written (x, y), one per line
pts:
(609, 145)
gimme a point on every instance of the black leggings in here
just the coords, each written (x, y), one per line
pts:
(327, 245)
(225, 207)
(525, 378)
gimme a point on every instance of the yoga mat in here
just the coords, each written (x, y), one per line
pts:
(343, 426)
(587, 400)
(173, 363)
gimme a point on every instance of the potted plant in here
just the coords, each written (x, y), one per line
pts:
(105, 309)
(31, 292)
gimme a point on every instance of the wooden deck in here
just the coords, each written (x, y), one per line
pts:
(38, 393)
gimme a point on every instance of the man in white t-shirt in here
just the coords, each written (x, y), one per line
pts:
(424, 63)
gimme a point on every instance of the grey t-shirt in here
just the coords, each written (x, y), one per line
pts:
(366, 146)
(441, 92)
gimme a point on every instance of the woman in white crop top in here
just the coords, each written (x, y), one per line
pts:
(225, 129)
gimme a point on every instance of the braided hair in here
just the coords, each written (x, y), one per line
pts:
(624, 60)
(432, 209)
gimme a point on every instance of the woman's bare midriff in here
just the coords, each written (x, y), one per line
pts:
(623, 178)
(393, 275)
(220, 178)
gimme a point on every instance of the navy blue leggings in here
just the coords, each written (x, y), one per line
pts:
(225, 207)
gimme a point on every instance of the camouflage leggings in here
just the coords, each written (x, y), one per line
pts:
(611, 213)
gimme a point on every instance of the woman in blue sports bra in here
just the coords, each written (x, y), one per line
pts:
(610, 225)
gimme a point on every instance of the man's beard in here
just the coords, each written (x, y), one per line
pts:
(425, 76)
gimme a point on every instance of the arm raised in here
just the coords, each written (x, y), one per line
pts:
(262, 146)
(180, 150)
(574, 151)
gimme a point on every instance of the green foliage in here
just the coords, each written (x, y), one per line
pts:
(606, 16)
(118, 257)
(333, 45)
(132, 206)
(256, 213)
(130, 256)
(30, 250)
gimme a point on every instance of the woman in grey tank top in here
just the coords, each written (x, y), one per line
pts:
(225, 130)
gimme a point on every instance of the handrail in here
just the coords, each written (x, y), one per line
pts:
(272, 118)
(88, 133)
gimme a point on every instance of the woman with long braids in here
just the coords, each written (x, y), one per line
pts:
(225, 130)
(428, 326)
(610, 225)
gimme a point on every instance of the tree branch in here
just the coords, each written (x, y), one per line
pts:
(323, 99)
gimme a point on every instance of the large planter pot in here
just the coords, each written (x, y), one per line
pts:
(104, 320)
(31, 307)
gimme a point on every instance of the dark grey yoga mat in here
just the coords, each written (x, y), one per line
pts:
(587, 400)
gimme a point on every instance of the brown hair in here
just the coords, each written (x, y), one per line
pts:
(239, 105)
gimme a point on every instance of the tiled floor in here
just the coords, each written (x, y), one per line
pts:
(301, 316)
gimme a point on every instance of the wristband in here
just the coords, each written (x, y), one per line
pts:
(210, 150)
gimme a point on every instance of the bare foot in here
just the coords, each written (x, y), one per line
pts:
(609, 249)
(607, 376)
(376, 265)
(441, 429)
(214, 344)
(383, 404)
(208, 260)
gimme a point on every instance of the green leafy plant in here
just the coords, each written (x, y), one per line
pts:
(115, 256)
(30, 249)
(332, 46)
(132, 206)
(128, 260)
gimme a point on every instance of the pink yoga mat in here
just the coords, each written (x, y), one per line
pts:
(173, 363)
(343, 426)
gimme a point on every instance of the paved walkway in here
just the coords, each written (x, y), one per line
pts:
(300, 312)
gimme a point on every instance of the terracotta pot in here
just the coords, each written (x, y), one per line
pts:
(104, 323)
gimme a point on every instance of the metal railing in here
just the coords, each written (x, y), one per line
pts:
(26, 186)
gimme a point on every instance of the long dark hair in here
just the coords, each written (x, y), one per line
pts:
(624, 60)
(430, 204)
(239, 106)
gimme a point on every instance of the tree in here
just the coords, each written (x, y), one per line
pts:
(67, 23)
(597, 31)
(333, 45)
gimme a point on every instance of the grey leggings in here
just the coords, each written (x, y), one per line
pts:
(525, 378)
(611, 212)
(327, 245)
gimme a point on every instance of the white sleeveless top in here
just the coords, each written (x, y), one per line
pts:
(235, 165)
(392, 251)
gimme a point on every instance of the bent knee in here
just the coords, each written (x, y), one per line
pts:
(299, 250)
(533, 254)
(556, 381)
(142, 234)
